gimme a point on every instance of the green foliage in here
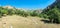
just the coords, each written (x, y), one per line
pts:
(25, 14)
(0, 15)
(33, 13)
(52, 14)
(17, 12)
(11, 11)
(6, 11)
(21, 13)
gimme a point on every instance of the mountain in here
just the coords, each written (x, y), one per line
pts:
(56, 3)
(8, 6)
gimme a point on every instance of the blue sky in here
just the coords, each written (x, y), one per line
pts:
(27, 3)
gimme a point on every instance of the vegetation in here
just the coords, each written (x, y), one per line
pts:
(34, 13)
(6, 11)
(52, 13)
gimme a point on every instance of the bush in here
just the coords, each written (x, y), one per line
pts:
(53, 15)
(21, 13)
(25, 14)
(0, 15)
(11, 12)
(4, 12)
(33, 13)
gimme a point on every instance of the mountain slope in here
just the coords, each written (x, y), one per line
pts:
(56, 3)
(52, 12)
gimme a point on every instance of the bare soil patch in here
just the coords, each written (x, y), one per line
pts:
(16, 21)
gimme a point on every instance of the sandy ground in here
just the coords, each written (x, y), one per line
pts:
(16, 21)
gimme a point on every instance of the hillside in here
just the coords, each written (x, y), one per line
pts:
(52, 12)
(56, 3)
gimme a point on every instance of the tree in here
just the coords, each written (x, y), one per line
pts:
(53, 15)
(34, 13)
(11, 12)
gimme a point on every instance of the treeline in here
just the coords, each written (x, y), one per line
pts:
(6, 11)
(53, 14)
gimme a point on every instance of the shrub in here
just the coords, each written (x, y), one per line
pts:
(53, 15)
(33, 13)
(25, 14)
(4, 11)
(11, 12)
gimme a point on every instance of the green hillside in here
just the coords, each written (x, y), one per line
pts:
(52, 12)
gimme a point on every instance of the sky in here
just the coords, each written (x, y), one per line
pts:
(41, 4)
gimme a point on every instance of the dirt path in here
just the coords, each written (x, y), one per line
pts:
(24, 22)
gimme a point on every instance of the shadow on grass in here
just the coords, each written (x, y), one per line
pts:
(45, 21)
(49, 22)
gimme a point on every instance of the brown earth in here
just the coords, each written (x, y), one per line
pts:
(16, 21)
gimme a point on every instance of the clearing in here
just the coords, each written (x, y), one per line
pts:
(16, 21)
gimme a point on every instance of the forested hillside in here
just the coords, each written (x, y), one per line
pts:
(52, 12)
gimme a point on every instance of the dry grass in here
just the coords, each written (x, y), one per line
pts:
(24, 22)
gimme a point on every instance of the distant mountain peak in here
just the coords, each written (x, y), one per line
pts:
(8, 6)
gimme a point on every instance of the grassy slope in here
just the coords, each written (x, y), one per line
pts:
(24, 22)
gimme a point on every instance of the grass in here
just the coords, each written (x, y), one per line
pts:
(25, 22)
